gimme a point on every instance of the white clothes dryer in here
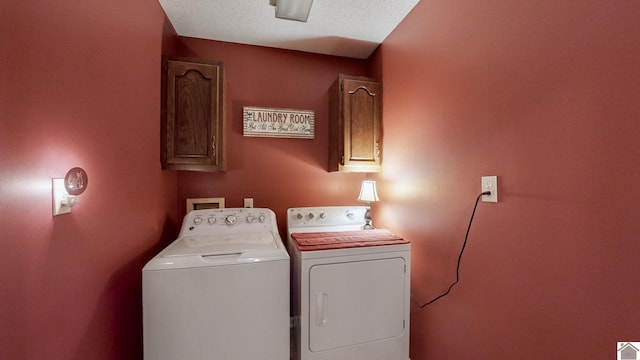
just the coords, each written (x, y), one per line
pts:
(350, 287)
(220, 290)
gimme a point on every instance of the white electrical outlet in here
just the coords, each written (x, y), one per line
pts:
(490, 183)
(248, 202)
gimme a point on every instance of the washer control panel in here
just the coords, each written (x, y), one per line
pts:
(218, 221)
(329, 218)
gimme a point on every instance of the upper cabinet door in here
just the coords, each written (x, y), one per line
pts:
(355, 125)
(193, 115)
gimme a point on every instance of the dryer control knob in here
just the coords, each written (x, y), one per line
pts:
(211, 220)
(299, 216)
(310, 216)
(230, 220)
(197, 220)
(262, 218)
(323, 215)
(250, 218)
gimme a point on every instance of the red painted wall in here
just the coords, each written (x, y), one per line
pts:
(276, 173)
(544, 95)
(80, 86)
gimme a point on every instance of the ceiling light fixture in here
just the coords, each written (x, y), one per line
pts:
(293, 9)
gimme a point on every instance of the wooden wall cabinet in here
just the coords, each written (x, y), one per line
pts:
(192, 115)
(355, 124)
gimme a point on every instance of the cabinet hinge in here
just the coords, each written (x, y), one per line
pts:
(341, 86)
(342, 160)
(404, 323)
(405, 268)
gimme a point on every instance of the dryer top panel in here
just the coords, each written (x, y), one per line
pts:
(345, 239)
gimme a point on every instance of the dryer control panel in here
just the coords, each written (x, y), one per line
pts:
(327, 218)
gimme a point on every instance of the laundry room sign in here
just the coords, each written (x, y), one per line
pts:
(282, 123)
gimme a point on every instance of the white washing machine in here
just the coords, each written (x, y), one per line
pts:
(350, 287)
(220, 291)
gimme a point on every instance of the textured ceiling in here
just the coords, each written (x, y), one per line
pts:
(351, 28)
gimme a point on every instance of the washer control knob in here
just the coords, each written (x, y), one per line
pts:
(197, 220)
(230, 219)
(323, 215)
(349, 215)
(311, 216)
(299, 216)
(250, 218)
(262, 218)
(211, 220)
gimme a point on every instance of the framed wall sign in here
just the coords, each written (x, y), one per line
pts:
(282, 123)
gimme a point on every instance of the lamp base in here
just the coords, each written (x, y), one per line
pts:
(368, 222)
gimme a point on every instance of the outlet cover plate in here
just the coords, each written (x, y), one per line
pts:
(490, 183)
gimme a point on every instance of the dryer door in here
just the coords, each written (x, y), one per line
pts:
(356, 302)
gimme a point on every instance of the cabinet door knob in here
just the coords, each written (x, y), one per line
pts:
(213, 146)
(377, 151)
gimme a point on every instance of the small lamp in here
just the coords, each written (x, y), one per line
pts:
(368, 194)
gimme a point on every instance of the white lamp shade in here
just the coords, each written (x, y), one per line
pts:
(368, 191)
(293, 9)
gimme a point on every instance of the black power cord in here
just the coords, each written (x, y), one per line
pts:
(459, 256)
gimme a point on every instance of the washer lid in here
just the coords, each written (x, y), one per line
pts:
(221, 244)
